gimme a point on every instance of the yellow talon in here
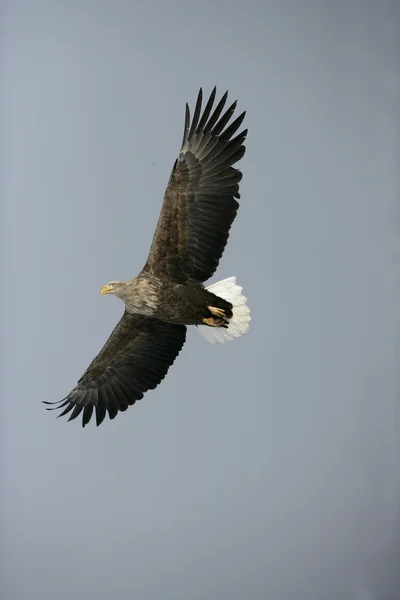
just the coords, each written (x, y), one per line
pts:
(218, 312)
(212, 322)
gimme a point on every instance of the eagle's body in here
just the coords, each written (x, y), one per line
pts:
(169, 301)
(169, 293)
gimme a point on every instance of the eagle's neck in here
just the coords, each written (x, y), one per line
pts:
(140, 296)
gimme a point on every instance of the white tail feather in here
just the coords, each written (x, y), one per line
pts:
(240, 321)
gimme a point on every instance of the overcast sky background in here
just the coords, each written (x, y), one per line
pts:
(265, 468)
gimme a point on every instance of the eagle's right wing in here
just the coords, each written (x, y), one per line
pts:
(135, 358)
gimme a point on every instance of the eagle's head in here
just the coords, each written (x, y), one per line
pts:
(113, 287)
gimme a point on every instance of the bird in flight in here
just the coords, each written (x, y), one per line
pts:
(168, 295)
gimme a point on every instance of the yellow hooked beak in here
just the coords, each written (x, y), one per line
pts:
(106, 289)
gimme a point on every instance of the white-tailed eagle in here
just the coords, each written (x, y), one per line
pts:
(168, 294)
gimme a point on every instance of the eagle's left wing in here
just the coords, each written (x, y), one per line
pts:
(135, 358)
(199, 203)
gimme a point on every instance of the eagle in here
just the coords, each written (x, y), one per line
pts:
(199, 207)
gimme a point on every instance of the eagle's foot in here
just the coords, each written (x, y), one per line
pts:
(217, 312)
(215, 322)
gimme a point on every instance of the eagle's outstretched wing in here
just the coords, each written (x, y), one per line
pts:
(199, 203)
(135, 358)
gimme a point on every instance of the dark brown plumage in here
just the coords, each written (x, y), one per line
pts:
(192, 231)
(199, 203)
(135, 359)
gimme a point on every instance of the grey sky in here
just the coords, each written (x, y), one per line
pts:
(264, 468)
